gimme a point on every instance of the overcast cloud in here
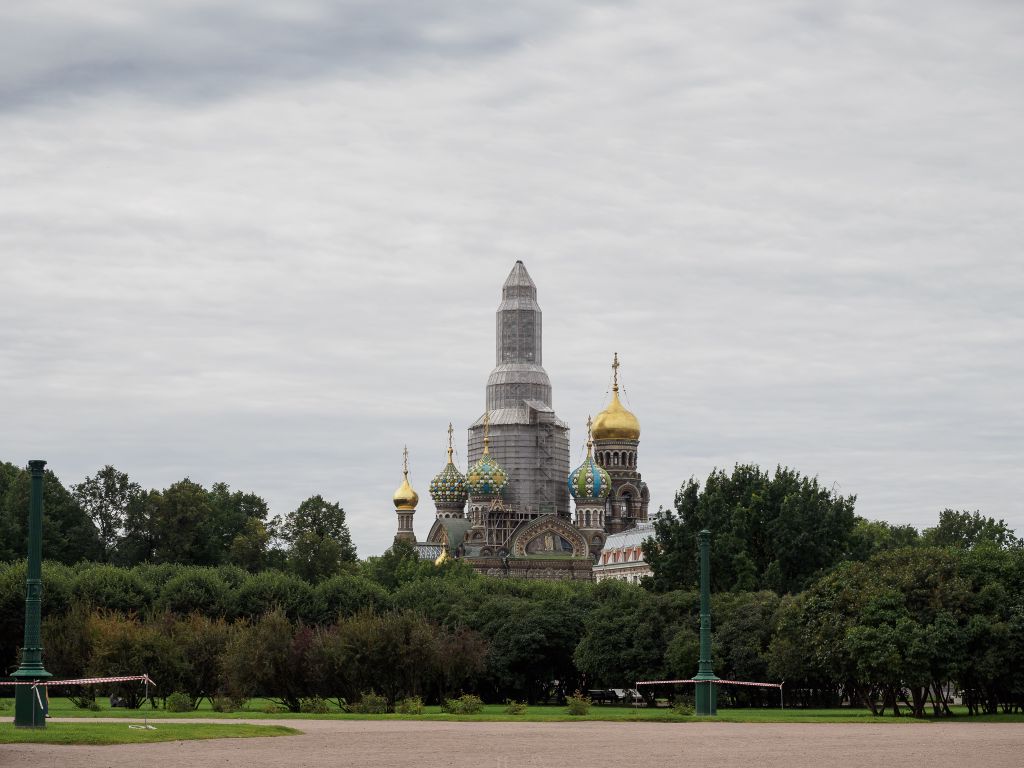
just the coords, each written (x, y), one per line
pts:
(264, 243)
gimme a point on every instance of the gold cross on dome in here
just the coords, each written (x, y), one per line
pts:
(615, 372)
(405, 460)
(450, 449)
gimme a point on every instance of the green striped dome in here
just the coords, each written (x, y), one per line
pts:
(589, 481)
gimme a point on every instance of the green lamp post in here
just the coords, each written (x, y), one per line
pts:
(29, 711)
(707, 691)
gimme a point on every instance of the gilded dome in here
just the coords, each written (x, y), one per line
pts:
(616, 422)
(449, 485)
(405, 497)
(589, 481)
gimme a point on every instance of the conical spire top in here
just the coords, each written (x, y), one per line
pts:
(519, 284)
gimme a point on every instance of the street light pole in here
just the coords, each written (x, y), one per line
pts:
(28, 709)
(707, 691)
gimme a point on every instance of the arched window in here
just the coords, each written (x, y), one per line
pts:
(615, 458)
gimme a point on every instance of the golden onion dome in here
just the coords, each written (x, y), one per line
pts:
(405, 497)
(616, 422)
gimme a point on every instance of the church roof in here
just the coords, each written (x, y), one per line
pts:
(634, 537)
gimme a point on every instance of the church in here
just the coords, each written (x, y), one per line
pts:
(509, 515)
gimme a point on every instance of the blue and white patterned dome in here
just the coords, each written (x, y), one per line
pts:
(589, 481)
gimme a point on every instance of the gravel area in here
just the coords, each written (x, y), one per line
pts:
(367, 744)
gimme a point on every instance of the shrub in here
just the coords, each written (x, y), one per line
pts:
(466, 704)
(5, 704)
(411, 705)
(265, 591)
(270, 708)
(345, 595)
(93, 706)
(314, 705)
(200, 590)
(227, 703)
(105, 586)
(578, 704)
(682, 708)
(370, 704)
(513, 707)
(179, 701)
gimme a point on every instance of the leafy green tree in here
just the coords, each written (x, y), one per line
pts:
(966, 530)
(624, 638)
(869, 537)
(319, 540)
(105, 497)
(68, 534)
(773, 532)
(269, 657)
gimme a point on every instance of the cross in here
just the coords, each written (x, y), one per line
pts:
(405, 460)
(615, 371)
(487, 424)
(590, 441)
(450, 449)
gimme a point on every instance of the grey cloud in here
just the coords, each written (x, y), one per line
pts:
(191, 51)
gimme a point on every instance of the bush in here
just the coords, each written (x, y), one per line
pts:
(227, 703)
(466, 704)
(578, 704)
(314, 705)
(199, 590)
(411, 705)
(105, 586)
(265, 591)
(179, 701)
(682, 708)
(270, 708)
(513, 707)
(370, 704)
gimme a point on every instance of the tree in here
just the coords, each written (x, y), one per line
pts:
(319, 540)
(69, 536)
(769, 532)
(966, 530)
(105, 497)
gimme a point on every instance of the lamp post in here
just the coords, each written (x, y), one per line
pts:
(707, 691)
(28, 709)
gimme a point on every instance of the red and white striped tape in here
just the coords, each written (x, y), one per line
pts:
(716, 682)
(82, 681)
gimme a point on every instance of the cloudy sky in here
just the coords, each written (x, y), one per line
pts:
(263, 243)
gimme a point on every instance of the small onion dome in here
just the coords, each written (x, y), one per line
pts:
(405, 497)
(589, 481)
(449, 485)
(486, 477)
(615, 422)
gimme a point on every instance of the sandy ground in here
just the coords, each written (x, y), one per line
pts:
(367, 744)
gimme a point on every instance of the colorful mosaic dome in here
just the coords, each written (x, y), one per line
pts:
(486, 477)
(589, 481)
(449, 485)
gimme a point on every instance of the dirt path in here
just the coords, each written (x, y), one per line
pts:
(369, 744)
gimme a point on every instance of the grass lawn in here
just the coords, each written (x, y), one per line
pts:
(120, 733)
(255, 709)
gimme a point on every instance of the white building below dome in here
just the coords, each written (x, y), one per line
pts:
(622, 557)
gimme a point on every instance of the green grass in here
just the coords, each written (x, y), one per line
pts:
(120, 733)
(60, 707)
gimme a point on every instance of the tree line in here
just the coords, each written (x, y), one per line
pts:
(843, 609)
(109, 518)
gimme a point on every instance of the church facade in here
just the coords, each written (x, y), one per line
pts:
(510, 514)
